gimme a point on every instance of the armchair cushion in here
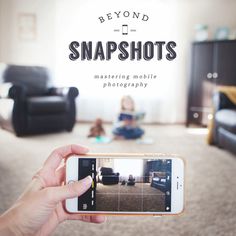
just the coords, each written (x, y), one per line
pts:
(47, 105)
(34, 79)
(70, 92)
(226, 118)
(222, 101)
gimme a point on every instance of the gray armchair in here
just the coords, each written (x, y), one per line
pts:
(224, 132)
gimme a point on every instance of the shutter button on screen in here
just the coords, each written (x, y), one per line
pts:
(71, 181)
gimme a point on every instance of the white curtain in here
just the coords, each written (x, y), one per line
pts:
(128, 167)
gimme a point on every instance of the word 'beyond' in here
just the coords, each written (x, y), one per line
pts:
(124, 14)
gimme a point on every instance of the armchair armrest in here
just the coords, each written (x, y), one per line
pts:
(71, 92)
(216, 101)
(8, 90)
(17, 92)
(221, 101)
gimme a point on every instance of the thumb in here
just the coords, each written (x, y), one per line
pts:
(76, 189)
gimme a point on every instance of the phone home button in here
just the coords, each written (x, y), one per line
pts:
(71, 181)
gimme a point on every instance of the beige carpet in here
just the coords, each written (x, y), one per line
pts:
(140, 197)
(211, 181)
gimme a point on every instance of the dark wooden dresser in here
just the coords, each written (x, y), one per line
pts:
(213, 63)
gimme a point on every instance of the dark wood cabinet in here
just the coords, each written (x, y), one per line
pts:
(226, 63)
(213, 63)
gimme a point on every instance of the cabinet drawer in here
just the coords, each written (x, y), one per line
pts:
(195, 117)
(199, 118)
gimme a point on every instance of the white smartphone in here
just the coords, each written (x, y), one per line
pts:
(128, 184)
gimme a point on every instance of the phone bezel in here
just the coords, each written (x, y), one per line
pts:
(177, 185)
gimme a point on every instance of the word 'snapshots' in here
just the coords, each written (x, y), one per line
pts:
(124, 50)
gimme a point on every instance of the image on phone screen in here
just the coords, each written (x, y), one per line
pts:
(126, 185)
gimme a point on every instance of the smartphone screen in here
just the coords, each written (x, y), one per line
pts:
(126, 185)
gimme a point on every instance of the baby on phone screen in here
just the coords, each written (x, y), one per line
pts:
(127, 126)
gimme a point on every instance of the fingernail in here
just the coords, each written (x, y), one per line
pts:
(87, 181)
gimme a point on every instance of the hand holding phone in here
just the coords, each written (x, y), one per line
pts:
(41, 203)
(128, 184)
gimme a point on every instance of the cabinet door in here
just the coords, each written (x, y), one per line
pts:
(202, 85)
(226, 63)
(201, 81)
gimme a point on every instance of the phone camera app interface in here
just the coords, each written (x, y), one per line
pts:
(126, 185)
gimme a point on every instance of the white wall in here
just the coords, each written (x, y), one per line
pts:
(36, 52)
(173, 19)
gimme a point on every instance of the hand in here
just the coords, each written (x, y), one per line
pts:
(40, 209)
